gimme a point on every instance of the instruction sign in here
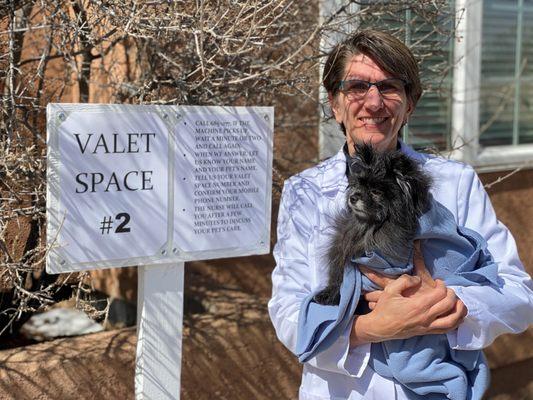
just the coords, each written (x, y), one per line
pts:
(227, 162)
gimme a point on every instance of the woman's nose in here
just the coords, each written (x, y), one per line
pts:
(373, 99)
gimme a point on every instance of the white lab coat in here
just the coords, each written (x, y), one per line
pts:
(309, 202)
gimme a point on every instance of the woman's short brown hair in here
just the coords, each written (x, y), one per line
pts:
(389, 53)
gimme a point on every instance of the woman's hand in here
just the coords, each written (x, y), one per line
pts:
(407, 306)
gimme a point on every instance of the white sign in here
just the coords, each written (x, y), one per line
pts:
(140, 185)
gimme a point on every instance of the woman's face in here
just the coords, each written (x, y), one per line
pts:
(371, 118)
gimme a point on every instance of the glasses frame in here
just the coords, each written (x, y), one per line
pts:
(369, 85)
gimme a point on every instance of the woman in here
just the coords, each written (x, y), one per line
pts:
(373, 86)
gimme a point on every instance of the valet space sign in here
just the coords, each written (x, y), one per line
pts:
(139, 185)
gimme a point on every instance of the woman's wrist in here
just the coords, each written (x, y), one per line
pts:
(360, 333)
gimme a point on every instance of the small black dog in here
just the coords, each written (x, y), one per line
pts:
(387, 193)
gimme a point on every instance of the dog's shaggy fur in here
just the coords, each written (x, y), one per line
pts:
(387, 193)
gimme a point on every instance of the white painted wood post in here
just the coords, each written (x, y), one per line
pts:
(159, 331)
(466, 80)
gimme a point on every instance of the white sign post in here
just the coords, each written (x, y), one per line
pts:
(155, 186)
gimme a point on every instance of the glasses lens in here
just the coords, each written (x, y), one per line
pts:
(390, 87)
(355, 87)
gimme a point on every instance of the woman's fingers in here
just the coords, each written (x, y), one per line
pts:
(420, 266)
(373, 296)
(404, 282)
(444, 306)
(451, 321)
(379, 279)
(424, 298)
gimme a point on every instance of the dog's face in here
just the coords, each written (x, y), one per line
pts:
(371, 194)
(385, 186)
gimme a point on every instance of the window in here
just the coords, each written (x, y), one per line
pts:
(478, 100)
(506, 73)
(491, 114)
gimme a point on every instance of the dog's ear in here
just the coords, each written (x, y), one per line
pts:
(420, 184)
(413, 181)
(364, 159)
(356, 165)
(403, 183)
(366, 152)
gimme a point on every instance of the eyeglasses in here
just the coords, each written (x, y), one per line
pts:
(391, 88)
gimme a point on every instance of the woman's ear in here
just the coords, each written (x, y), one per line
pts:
(334, 105)
(410, 108)
(408, 112)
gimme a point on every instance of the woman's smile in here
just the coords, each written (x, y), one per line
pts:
(372, 121)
